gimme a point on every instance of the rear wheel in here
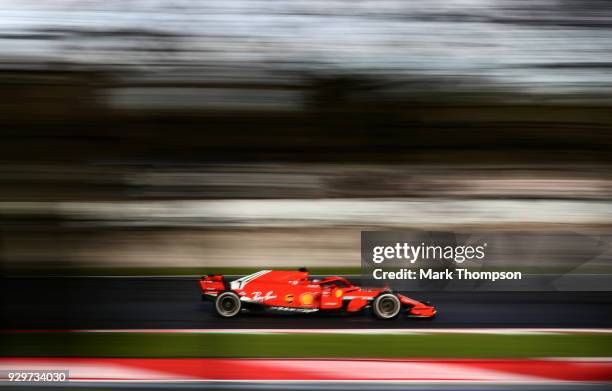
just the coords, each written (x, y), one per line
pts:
(386, 306)
(228, 304)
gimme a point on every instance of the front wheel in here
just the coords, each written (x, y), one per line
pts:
(386, 306)
(228, 304)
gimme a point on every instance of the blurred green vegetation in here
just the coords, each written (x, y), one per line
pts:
(343, 118)
(117, 344)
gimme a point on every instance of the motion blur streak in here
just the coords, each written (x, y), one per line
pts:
(176, 137)
(551, 46)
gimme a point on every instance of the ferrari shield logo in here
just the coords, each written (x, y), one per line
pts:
(289, 298)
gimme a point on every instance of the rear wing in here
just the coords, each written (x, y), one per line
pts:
(212, 284)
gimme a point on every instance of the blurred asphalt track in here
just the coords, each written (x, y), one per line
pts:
(174, 302)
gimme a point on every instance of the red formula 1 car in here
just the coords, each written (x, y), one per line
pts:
(295, 292)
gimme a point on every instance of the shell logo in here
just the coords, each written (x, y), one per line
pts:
(306, 298)
(289, 298)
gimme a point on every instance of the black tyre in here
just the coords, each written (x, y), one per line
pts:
(386, 306)
(228, 304)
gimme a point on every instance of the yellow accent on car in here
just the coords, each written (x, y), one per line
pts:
(306, 298)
